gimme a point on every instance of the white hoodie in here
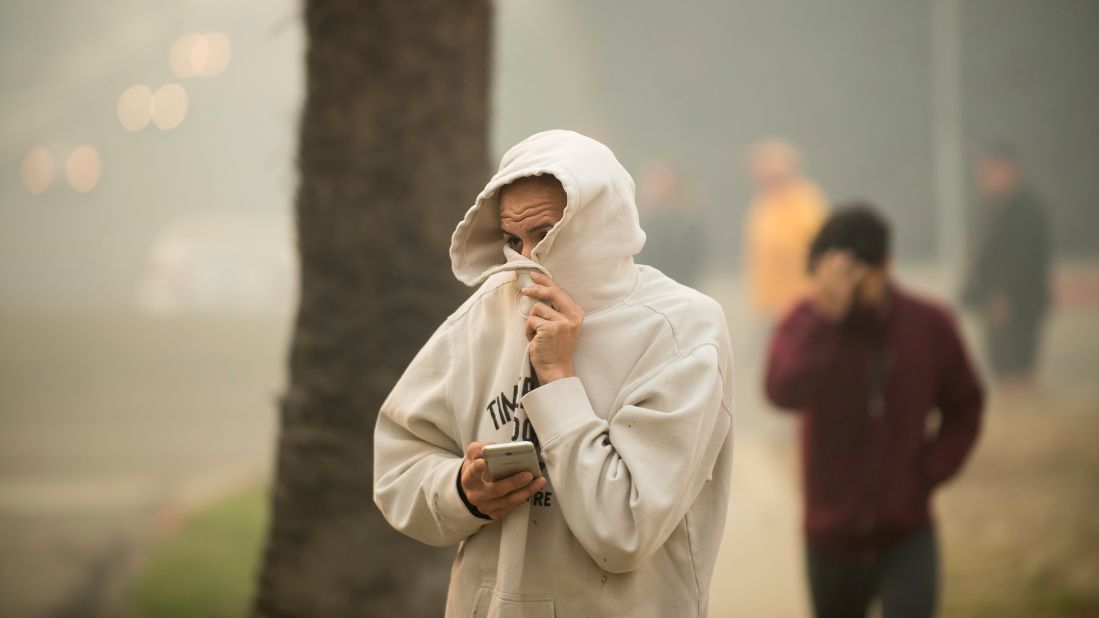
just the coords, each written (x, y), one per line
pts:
(637, 446)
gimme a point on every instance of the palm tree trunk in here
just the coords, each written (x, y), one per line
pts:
(393, 147)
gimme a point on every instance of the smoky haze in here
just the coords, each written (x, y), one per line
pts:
(148, 267)
(65, 66)
(852, 83)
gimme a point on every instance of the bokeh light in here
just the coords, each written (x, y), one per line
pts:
(169, 106)
(83, 168)
(37, 170)
(135, 107)
(216, 52)
(199, 55)
(181, 56)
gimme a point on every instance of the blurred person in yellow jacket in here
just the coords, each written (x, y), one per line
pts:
(785, 215)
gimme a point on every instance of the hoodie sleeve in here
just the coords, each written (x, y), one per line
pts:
(624, 485)
(416, 453)
(960, 400)
(802, 348)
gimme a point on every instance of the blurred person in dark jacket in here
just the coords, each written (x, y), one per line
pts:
(675, 243)
(1009, 277)
(871, 368)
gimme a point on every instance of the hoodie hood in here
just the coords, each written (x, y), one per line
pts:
(589, 252)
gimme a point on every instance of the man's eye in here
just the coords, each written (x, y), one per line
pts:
(513, 241)
(543, 235)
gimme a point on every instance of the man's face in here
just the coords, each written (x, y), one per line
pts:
(770, 172)
(870, 291)
(997, 177)
(529, 207)
(772, 165)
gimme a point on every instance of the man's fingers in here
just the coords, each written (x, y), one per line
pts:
(546, 312)
(500, 506)
(546, 289)
(493, 490)
(858, 272)
(476, 450)
(539, 291)
(561, 306)
(542, 278)
(479, 467)
(477, 471)
(533, 324)
(507, 485)
(493, 495)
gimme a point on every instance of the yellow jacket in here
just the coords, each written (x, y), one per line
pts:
(777, 235)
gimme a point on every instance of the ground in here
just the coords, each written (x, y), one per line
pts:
(127, 442)
(111, 428)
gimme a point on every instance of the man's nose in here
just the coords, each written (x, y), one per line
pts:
(528, 248)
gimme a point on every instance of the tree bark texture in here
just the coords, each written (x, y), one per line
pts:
(393, 148)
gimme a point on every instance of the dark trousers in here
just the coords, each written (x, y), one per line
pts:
(905, 578)
(1013, 347)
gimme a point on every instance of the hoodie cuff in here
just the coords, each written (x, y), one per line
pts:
(465, 499)
(450, 507)
(556, 407)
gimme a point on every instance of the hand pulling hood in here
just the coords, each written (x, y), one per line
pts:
(589, 253)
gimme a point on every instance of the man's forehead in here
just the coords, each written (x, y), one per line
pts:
(541, 184)
(525, 210)
(530, 217)
(531, 196)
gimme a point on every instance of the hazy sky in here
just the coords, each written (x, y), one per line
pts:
(850, 81)
(64, 66)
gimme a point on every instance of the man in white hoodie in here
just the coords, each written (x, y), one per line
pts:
(621, 377)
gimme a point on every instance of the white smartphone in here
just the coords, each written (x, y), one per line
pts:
(511, 458)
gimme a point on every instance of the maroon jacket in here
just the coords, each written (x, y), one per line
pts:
(868, 389)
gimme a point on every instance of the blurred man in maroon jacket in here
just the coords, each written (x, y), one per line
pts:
(890, 407)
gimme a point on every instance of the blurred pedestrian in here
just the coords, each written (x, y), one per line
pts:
(675, 243)
(785, 214)
(1009, 277)
(868, 366)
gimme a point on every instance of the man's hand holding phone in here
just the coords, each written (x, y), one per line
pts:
(494, 498)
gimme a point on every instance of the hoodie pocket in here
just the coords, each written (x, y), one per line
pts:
(491, 603)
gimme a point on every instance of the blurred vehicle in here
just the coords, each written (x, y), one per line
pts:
(210, 263)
